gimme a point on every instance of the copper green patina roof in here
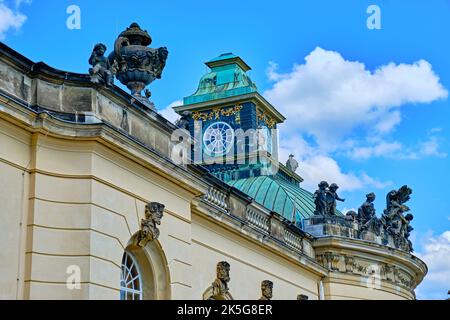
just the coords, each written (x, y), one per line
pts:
(276, 194)
(227, 78)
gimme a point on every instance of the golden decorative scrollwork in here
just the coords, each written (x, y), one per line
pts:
(217, 112)
(265, 118)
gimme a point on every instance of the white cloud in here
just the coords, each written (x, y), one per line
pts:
(315, 166)
(381, 149)
(330, 97)
(388, 122)
(169, 113)
(396, 150)
(340, 107)
(10, 18)
(431, 148)
(318, 168)
(435, 253)
(18, 3)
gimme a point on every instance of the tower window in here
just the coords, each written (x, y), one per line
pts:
(130, 279)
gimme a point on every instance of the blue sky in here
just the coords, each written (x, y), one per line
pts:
(385, 91)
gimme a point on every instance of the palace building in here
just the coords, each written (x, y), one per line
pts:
(103, 198)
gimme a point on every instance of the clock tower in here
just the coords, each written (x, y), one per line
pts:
(234, 127)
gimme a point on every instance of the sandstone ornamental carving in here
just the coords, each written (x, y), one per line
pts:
(149, 226)
(219, 288)
(266, 290)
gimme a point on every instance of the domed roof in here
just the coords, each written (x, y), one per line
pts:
(278, 195)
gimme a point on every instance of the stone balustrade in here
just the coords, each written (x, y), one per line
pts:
(323, 226)
(258, 219)
(216, 198)
(294, 240)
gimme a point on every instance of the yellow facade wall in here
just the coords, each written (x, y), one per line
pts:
(14, 185)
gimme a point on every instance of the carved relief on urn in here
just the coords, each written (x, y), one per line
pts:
(136, 65)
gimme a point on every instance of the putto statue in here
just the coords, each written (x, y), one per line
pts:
(367, 217)
(219, 288)
(325, 199)
(331, 197)
(320, 199)
(393, 219)
(101, 68)
(291, 163)
(266, 290)
(149, 231)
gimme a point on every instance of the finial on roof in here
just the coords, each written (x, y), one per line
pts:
(292, 164)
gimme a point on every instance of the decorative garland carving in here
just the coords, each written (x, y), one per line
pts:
(356, 266)
(349, 263)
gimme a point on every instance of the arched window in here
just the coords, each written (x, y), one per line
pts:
(130, 279)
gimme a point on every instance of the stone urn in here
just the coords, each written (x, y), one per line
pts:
(134, 63)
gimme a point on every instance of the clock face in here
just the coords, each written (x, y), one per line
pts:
(218, 139)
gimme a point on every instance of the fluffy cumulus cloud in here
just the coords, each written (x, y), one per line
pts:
(317, 165)
(330, 96)
(341, 107)
(436, 254)
(10, 17)
(168, 111)
(430, 147)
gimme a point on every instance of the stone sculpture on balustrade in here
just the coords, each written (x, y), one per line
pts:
(325, 199)
(395, 219)
(367, 218)
(101, 71)
(394, 226)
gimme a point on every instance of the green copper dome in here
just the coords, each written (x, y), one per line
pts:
(276, 194)
(227, 78)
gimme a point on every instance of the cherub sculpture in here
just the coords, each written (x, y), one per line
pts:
(407, 228)
(367, 217)
(331, 197)
(101, 68)
(320, 199)
(393, 218)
